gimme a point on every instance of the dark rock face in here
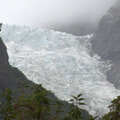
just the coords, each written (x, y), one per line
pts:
(78, 29)
(106, 41)
(3, 53)
(9, 76)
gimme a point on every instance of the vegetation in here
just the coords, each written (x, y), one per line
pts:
(114, 113)
(37, 105)
(75, 112)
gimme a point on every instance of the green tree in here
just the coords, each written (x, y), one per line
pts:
(58, 110)
(37, 105)
(75, 111)
(42, 103)
(34, 106)
(92, 118)
(6, 107)
(114, 113)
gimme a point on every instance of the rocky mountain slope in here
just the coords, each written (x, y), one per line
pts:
(11, 76)
(61, 63)
(78, 29)
(106, 42)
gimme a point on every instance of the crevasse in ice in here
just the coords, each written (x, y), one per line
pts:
(61, 63)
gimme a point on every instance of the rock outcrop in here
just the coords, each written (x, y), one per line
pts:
(3, 53)
(106, 42)
(9, 76)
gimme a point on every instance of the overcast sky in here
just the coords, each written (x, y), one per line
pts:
(42, 12)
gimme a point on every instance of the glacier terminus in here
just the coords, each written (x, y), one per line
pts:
(62, 63)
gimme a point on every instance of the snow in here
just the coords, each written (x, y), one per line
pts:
(61, 63)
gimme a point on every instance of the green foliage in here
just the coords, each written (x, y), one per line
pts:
(6, 108)
(114, 113)
(92, 118)
(25, 107)
(75, 111)
(36, 105)
(58, 110)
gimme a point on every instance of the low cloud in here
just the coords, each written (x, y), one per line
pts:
(49, 12)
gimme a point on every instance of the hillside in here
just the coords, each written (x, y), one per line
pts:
(106, 42)
(10, 77)
(62, 63)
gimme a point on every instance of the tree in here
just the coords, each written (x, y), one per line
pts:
(37, 105)
(6, 107)
(58, 110)
(75, 111)
(33, 106)
(114, 113)
(92, 118)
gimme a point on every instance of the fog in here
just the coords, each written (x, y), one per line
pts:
(49, 12)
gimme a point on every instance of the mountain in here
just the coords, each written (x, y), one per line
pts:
(76, 28)
(9, 76)
(106, 42)
(61, 63)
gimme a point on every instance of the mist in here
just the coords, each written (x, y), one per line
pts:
(51, 12)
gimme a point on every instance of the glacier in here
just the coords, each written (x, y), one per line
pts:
(62, 63)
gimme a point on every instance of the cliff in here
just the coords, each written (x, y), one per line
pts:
(9, 76)
(106, 42)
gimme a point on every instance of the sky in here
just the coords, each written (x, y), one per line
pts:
(48, 12)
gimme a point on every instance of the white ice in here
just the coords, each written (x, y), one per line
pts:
(61, 63)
